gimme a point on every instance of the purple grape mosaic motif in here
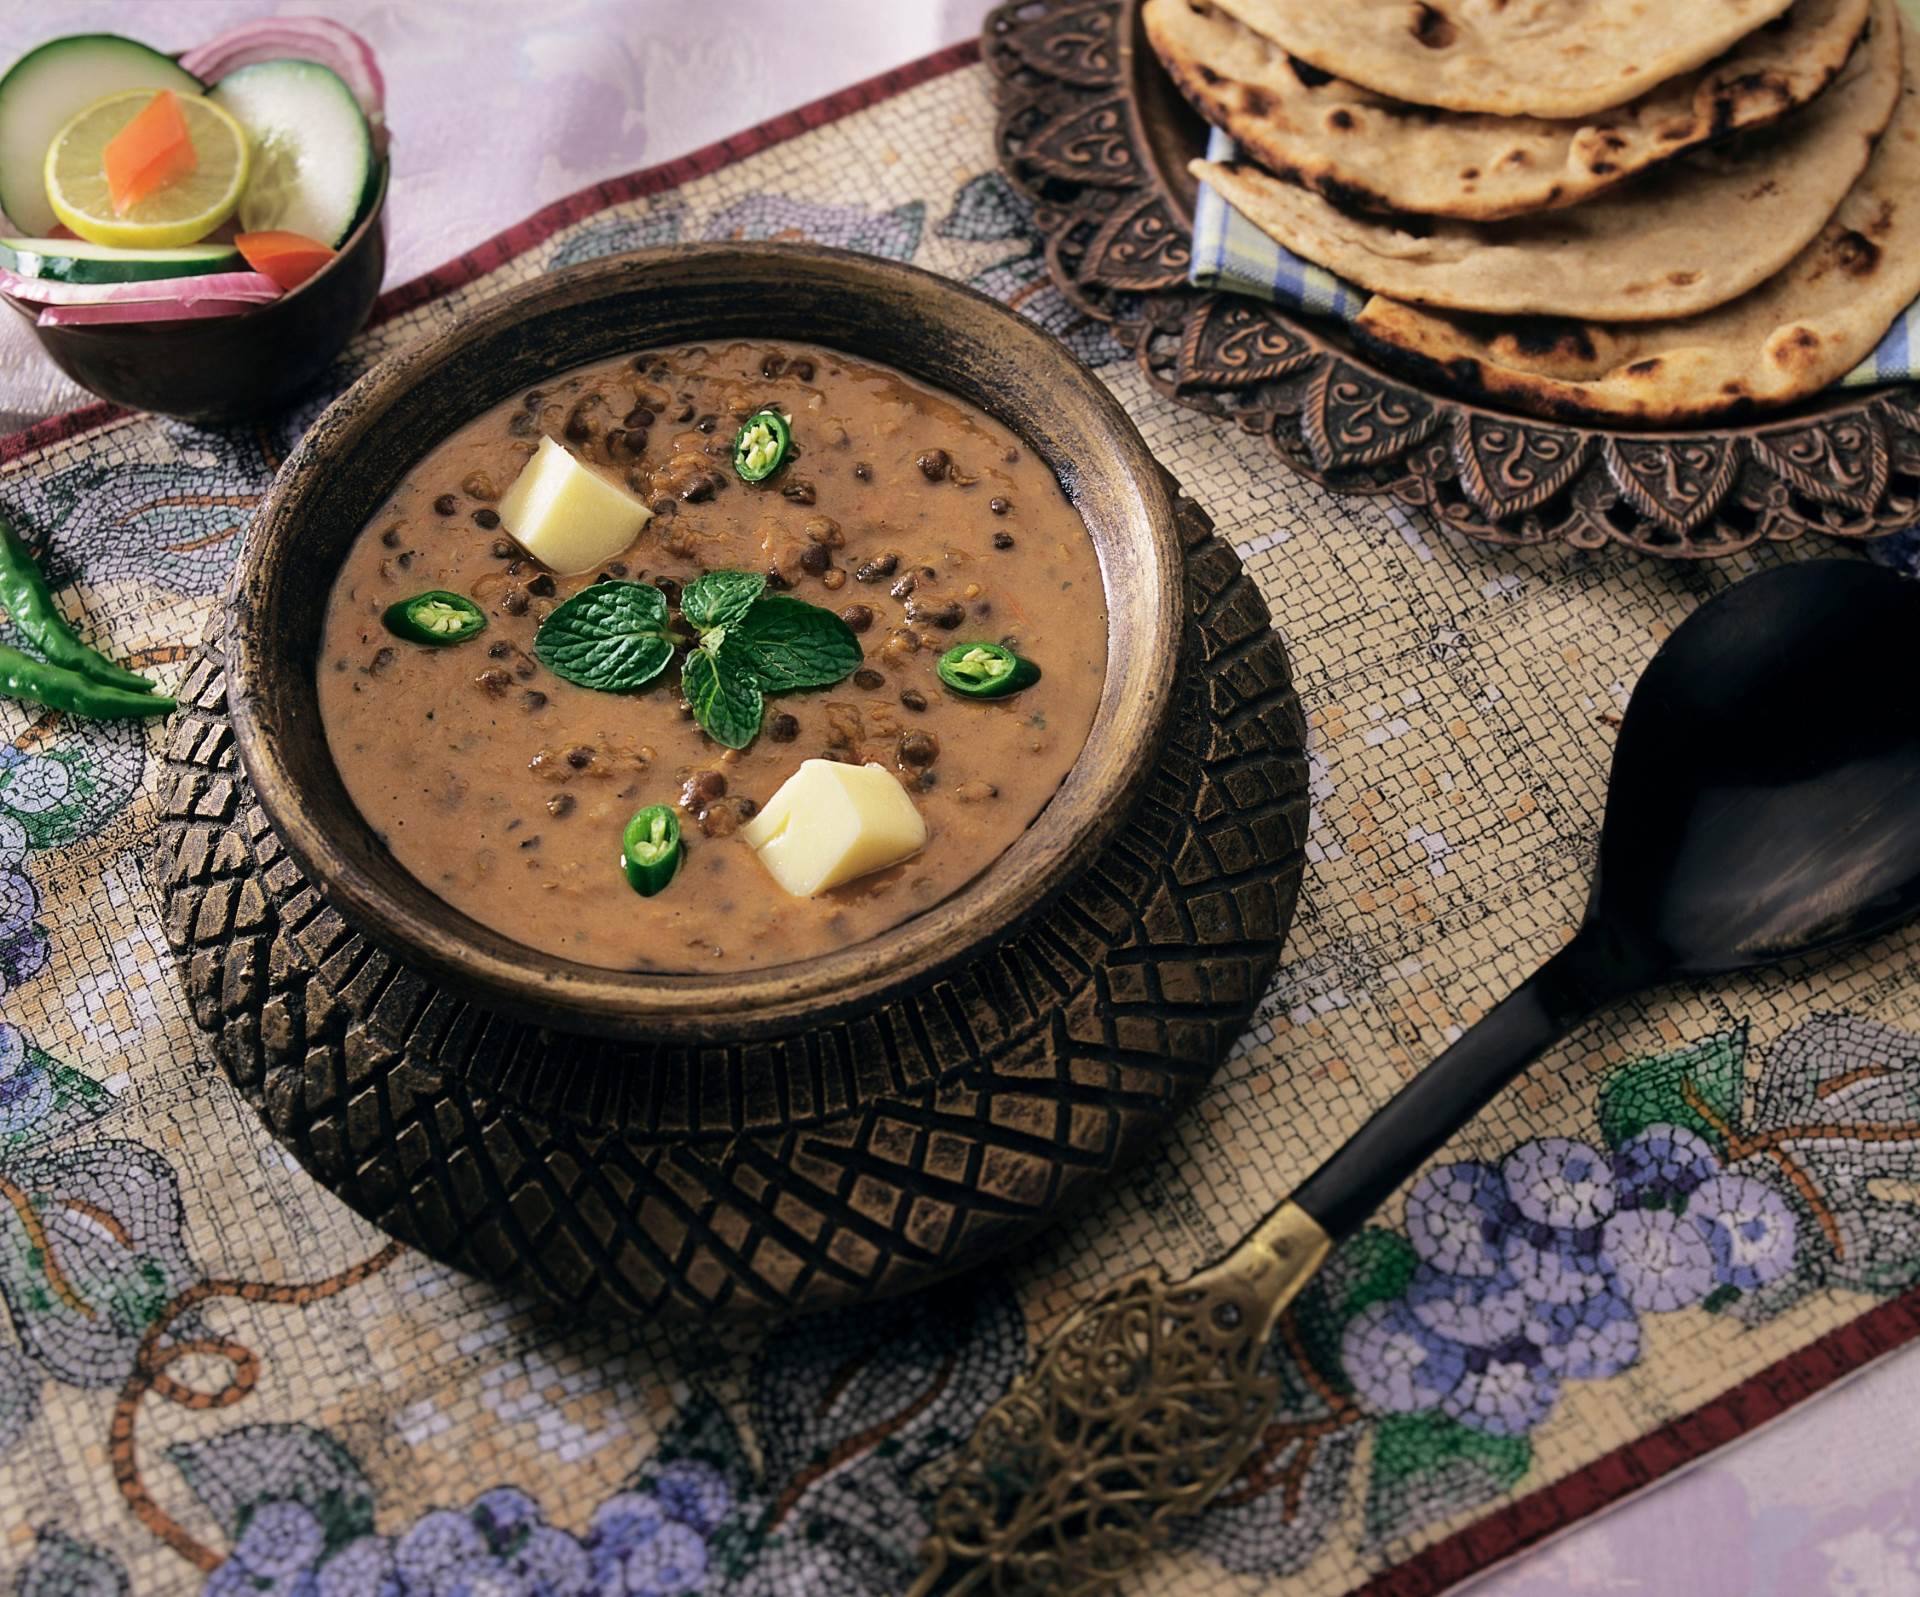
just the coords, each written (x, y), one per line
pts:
(639, 1544)
(1449, 1342)
(1536, 1272)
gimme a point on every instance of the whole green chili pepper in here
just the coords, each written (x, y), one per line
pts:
(23, 677)
(985, 670)
(761, 446)
(651, 849)
(435, 617)
(25, 596)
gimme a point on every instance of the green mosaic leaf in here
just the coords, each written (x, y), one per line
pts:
(54, 797)
(1657, 1090)
(50, 1098)
(1372, 1267)
(1426, 1466)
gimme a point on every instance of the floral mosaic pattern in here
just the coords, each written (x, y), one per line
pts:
(1442, 1345)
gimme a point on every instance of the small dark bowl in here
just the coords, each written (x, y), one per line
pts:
(927, 326)
(229, 368)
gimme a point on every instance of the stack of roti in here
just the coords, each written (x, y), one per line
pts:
(1650, 211)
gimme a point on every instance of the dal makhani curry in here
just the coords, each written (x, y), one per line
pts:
(714, 657)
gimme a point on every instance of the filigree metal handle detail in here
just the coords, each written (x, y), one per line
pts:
(1138, 1411)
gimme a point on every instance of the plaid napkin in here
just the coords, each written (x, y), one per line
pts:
(1230, 253)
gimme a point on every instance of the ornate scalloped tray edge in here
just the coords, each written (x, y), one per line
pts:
(1093, 133)
(864, 1158)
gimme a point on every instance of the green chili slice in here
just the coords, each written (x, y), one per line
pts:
(651, 849)
(985, 670)
(436, 618)
(761, 446)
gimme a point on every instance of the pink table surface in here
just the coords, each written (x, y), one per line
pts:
(1827, 1500)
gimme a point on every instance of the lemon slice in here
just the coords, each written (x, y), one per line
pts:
(180, 213)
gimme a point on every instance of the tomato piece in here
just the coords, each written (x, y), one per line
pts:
(151, 151)
(288, 258)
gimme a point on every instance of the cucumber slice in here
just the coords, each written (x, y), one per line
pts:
(42, 91)
(74, 260)
(313, 153)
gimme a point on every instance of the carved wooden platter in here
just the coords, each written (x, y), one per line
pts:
(859, 1159)
(1094, 133)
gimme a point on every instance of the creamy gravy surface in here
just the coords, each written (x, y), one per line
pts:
(918, 518)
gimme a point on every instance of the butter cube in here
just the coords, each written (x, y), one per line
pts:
(568, 516)
(830, 823)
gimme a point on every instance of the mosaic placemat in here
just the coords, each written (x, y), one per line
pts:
(217, 1378)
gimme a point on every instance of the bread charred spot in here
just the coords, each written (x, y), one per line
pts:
(1748, 89)
(1857, 254)
(1643, 368)
(1683, 279)
(1793, 347)
(1431, 27)
(1541, 336)
(1356, 198)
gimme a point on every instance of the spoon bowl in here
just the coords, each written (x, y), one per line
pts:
(1765, 797)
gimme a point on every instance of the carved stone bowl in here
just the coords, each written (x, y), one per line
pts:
(944, 334)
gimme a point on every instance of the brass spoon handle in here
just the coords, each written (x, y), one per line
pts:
(1146, 1402)
(1130, 1419)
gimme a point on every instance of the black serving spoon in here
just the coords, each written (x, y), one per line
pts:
(1764, 805)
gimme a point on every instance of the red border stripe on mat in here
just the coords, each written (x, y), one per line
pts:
(543, 224)
(55, 429)
(1645, 1460)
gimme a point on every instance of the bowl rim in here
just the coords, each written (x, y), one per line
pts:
(1095, 799)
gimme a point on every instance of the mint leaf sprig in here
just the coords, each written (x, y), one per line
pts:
(618, 636)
